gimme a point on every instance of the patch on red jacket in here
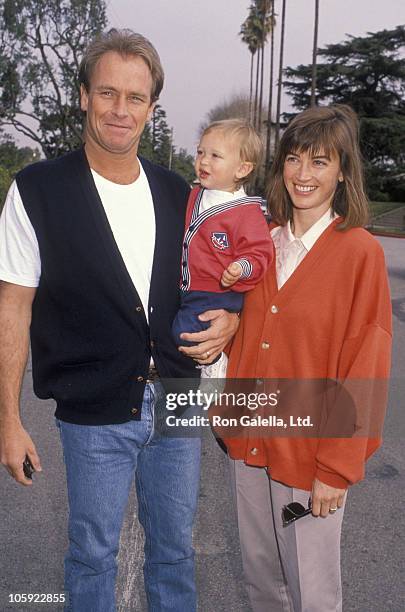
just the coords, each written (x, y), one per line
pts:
(220, 240)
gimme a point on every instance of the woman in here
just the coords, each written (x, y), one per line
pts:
(321, 313)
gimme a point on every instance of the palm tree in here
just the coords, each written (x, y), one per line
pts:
(255, 21)
(270, 100)
(264, 9)
(256, 98)
(249, 37)
(254, 32)
(314, 54)
(280, 74)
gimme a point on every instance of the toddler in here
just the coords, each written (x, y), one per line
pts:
(227, 245)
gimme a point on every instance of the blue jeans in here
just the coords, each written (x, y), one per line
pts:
(100, 464)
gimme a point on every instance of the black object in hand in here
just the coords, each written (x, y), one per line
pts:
(28, 468)
(294, 511)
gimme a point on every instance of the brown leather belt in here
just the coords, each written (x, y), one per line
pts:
(152, 375)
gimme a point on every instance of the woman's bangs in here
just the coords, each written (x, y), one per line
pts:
(316, 140)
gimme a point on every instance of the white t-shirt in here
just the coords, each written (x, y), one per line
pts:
(130, 213)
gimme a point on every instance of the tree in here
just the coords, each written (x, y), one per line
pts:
(183, 164)
(156, 145)
(270, 100)
(368, 73)
(161, 137)
(12, 159)
(145, 147)
(280, 73)
(314, 53)
(249, 37)
(264, 11)
(254, 32)
(236, 107)
(41, 43)
(5, 182)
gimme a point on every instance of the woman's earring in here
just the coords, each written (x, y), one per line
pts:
(341, 179)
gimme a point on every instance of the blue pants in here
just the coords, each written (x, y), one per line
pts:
(100, 464)
(193, 303)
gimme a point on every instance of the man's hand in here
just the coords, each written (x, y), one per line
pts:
(15, 444)
(326, 499)
(15, 318)
(231, 275)
(214, 339)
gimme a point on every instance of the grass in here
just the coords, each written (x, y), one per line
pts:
(378, 208)
(377, 224)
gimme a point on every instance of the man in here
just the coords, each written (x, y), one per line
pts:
(89, 261)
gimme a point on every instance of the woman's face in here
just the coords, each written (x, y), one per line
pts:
(311, 180)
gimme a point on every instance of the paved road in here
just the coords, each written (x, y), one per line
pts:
(32, 521)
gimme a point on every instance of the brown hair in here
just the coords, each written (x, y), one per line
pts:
(126, 43)
(250, 143)
(330, 129)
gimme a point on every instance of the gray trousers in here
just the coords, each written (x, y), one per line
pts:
(286, 569)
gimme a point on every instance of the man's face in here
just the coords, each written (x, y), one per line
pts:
(118, 103)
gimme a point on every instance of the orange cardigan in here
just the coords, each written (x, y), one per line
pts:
(331, 319)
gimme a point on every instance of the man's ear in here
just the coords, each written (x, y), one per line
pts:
(244, 169)
(150, 110)
(84, 98)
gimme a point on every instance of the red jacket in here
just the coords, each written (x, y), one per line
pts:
(331, 320)
(233, 231)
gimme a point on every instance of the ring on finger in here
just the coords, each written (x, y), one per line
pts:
(332, 510)
(207, 354)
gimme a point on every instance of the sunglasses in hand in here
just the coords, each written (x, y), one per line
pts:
(294, 511)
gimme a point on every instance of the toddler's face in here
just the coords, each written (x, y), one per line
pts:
(218, 164)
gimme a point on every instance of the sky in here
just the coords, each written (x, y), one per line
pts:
(205, 61)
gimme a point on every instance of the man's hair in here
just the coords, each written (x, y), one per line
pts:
(126, 43)
(328, 130)
(250, 143)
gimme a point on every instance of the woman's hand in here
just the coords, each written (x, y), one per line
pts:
(214, 339)
(325, 499)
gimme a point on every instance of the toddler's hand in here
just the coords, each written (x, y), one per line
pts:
(231, 274)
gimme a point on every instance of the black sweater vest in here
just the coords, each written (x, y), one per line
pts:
(91, 344)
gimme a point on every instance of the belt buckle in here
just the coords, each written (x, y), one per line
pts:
(152, 375)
